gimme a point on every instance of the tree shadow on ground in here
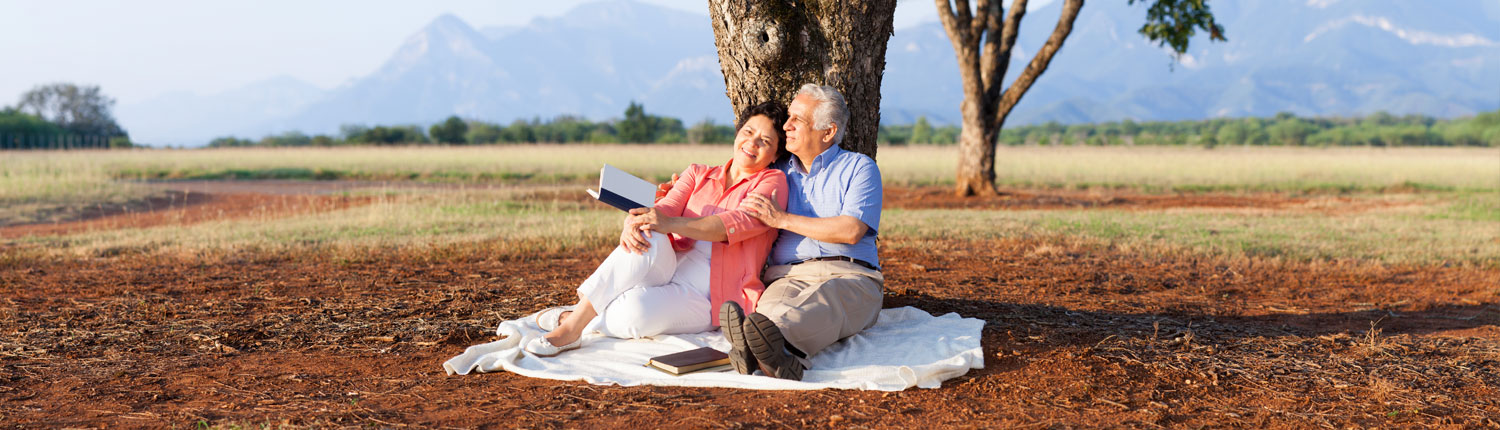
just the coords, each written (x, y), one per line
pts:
(1087, 327)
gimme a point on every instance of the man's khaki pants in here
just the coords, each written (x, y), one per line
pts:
(817, 303)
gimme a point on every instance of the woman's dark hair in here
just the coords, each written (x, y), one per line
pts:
(777, 113)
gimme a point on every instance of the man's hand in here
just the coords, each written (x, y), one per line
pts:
(764, 208)
(663, 189)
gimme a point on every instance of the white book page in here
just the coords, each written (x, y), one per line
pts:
(627, 186)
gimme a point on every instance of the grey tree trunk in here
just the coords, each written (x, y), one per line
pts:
(769, 48)
(982, 40)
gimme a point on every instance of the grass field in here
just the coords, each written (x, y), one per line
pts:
(31, 176)
(1443, 203)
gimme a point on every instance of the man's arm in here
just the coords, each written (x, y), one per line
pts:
(842, 229)
(859, 215)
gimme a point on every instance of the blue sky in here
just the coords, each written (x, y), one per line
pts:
(143, 48)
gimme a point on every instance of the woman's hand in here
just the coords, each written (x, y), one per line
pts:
(763, 208)
(638, 228)
(648, 219)
(631, 238)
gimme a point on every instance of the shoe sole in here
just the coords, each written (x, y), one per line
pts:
(732, 320)
(769, 348)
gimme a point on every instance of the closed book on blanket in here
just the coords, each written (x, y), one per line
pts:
(689, 361)
(623, 190)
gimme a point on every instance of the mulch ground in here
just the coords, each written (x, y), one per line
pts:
(1075, 336)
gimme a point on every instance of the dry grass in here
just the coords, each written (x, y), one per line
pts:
(1433, 227)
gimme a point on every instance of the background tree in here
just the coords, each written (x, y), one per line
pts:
(637, 127)
(921, 132)
(707, 131)
(77, 109)
(769, 48)
(451, 130)
(983, 37)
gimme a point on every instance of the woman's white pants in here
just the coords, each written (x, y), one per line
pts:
(658, 292)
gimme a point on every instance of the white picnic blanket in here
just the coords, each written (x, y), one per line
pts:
(907, 347)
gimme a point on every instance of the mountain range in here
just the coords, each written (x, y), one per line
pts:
(1308, 57)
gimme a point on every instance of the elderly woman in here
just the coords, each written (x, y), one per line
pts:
(704, 250)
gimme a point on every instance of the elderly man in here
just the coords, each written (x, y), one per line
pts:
(823, 281)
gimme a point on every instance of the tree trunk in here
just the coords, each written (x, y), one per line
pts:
(976, 156)
(982, 40)
(769, 48)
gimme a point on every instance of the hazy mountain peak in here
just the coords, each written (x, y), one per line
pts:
(1363, 56)
(447, 35)
(1415, 37)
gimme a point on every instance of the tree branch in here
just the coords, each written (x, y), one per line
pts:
(996, 59)
(962, 12)
(956, 30)
(1040, 61)
(958, 26)
(980, 25)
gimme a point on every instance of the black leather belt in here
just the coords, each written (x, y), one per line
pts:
(839, 258)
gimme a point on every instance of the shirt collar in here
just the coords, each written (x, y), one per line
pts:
(820, 161)
(722, 171)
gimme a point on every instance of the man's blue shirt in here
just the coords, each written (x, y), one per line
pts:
(840, 183)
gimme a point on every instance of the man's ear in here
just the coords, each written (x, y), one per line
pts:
(833, 130)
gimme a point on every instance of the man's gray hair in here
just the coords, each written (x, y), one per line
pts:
(831, 109)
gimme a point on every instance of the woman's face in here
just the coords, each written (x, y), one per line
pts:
(755, 144)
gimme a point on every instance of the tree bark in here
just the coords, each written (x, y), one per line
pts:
(769, 48)
(982, 41)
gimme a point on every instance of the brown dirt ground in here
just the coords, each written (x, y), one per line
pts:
(175, 207)
(1075, 336)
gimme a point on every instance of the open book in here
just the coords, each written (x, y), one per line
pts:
(623, 190)
(689, 361)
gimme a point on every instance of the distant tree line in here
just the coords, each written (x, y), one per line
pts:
(637, 126)
(1285, 129)
(61, 116)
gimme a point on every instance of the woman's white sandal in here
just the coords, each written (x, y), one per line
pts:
(542, 348)
(551, 318)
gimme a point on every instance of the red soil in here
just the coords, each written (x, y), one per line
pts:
(182, 208)
(1075, 336)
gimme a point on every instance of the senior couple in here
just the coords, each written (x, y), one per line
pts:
(789, 201)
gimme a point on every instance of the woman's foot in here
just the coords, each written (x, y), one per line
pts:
(567, 336)
(552, 318)
(562, 336)
(544, 348)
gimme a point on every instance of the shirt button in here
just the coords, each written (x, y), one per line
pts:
(731, 230)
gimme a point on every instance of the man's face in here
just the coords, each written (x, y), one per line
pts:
(801, 137)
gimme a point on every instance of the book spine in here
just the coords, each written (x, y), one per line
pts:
(616, 200)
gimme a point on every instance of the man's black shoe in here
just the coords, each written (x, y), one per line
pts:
(769, 348)
(732, 321)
